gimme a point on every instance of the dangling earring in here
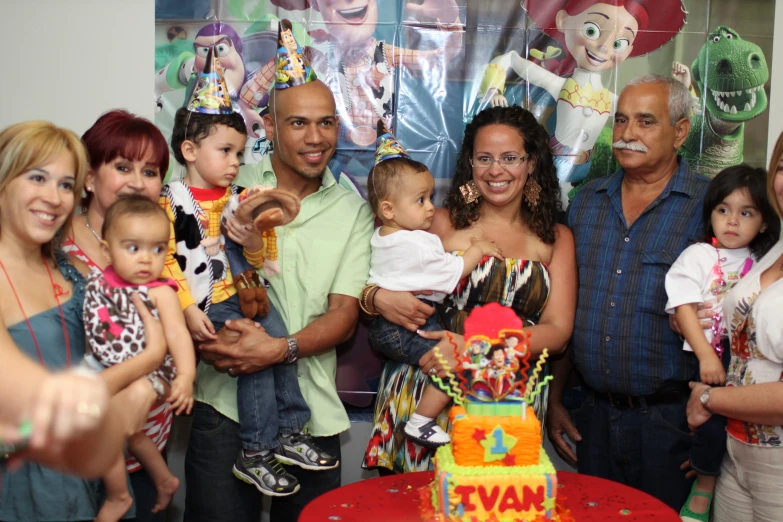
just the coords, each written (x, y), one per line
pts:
(470, 192)
(532, 192)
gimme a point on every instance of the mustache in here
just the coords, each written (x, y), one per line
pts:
(633, 145)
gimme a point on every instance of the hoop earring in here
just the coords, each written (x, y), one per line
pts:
(532, 193)
(470, 192)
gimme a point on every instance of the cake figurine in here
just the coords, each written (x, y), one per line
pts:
(495, 467)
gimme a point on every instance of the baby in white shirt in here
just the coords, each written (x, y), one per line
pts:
(406, 257)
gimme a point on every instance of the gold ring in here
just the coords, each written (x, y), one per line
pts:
(93, 410)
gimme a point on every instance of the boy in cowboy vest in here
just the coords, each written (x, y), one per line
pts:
(208, 139)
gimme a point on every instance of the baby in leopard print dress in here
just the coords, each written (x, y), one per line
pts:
(135, 239)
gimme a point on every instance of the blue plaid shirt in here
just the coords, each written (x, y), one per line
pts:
(622, 342)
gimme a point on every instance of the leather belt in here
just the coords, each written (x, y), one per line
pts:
(667, 395)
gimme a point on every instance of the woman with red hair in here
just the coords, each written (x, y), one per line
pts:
(128, 155)
(598, 36)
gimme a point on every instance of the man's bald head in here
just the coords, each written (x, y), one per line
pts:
(315, 88)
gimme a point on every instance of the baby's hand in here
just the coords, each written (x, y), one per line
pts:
(245, 235)
(200, 326)
(181, 396)
(488, 247)
(712, 372)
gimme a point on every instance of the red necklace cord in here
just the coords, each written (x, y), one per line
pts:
(58, 291)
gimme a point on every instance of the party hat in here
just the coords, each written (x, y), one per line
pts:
(387, 146)
(293, 67)
(210, 94)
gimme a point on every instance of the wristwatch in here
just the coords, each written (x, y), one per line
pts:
(293, 350)
(704, 398)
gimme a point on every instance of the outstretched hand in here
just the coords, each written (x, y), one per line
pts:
(67, 405)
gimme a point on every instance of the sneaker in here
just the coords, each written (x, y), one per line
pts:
(299, 449)
(430, 435)
(266, 474)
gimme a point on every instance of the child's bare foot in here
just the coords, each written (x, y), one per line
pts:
(166, 490)
(114, 508)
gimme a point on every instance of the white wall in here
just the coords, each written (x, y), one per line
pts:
(68, 61)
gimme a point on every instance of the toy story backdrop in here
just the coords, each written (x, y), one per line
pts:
(426, 67)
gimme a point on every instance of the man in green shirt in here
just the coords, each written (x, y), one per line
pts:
(324, 256)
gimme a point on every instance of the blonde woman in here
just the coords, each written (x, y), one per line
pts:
(42, 170)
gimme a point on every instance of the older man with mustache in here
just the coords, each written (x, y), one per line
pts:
(629, 228)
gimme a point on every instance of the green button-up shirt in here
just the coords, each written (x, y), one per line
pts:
(325, 250)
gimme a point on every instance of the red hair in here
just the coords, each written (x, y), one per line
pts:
(119, 133)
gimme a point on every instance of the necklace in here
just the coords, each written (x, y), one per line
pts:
(94, 233)
(58, 291)
(719, 288)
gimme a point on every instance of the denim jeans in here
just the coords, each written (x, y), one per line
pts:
(640, 447)
(260, 417)
(709, 439)
(399, 344)
(213, 494)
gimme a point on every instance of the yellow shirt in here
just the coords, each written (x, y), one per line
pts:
(206, 199)
(325, 250)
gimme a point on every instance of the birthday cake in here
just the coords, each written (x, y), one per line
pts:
(495, 468)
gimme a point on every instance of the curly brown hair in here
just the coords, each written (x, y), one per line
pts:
(543, 219)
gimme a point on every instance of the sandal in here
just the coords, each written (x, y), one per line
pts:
(430, 435)
(686, 515)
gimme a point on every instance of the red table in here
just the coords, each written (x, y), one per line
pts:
(395, 499)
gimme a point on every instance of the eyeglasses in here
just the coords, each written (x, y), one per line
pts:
(507, 162)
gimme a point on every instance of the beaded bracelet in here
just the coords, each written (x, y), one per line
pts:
(365, 297)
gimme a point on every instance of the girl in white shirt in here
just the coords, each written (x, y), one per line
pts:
(741, 226)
